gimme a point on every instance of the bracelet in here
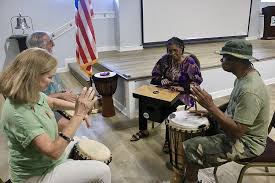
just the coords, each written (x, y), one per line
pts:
(68, 139)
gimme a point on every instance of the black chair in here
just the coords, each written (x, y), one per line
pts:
(8, 181)
(265, 160)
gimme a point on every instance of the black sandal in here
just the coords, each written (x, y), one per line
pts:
(139, 135)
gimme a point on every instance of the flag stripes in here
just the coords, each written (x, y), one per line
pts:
(86, 53)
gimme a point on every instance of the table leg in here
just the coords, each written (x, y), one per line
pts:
(142, 120)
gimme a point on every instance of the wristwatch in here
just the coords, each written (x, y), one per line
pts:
(68, 139)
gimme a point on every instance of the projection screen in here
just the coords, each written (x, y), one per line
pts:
(194, 19)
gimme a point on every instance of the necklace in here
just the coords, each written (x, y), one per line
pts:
(250, 69)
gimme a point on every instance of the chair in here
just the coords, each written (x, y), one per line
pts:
(8, 181)
(265, 160)
(195, 58)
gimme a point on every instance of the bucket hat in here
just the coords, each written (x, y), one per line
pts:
(238, 48)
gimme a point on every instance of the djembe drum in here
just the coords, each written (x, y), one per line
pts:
(183, 125)
(87, 149)
(68, 114)
(106, 83)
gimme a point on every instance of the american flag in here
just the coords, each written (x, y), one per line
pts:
(86, 53)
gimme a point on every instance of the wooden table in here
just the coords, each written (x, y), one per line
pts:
(155, 104)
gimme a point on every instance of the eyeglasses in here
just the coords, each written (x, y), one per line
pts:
(50, 42)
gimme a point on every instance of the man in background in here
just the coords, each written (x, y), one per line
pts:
(56, 90)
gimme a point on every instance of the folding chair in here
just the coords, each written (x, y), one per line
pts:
(265, 160)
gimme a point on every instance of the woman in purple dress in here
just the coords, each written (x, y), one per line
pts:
(175, 70)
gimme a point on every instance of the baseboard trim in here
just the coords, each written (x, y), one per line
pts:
(120, 107)
(66, 67)
(106, 48)
(226, 92)
(270, 81)
(221, 93)
(251, 38)
(130, 48)
(62, 69)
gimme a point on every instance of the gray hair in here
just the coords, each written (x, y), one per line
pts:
(36, 39)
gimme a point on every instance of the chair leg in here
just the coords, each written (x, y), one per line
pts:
(240, 178)
(266, 169)
(215, 174)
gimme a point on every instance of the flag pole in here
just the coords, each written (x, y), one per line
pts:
(91, 81)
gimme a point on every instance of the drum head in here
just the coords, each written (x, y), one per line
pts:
(70, 112)
(101, 75)
(187, 120)
(95, 150)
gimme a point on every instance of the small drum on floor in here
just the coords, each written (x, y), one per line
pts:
(87, 149)
(106, 84)
(183, 125)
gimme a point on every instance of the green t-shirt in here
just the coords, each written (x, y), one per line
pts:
(21, 124)
(249, 105)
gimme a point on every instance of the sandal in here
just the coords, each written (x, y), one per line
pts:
(165, 147)
(139, 135)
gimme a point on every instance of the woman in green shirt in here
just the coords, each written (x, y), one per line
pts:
(37, 152)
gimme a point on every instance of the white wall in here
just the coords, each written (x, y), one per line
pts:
(48, 16)
(121, 31)
(256, 18)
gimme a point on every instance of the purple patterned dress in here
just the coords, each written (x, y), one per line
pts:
(181, 74)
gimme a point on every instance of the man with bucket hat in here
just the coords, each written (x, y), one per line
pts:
(243, 127)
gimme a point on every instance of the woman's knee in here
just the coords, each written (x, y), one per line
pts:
(103, 171)
(104, 168)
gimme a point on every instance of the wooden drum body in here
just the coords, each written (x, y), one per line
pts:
(181, 126)
(91, 150)
(106, 84)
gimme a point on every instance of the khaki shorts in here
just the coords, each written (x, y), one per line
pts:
(211, 151)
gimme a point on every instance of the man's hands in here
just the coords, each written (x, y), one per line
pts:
(202, 97)
(68, 96)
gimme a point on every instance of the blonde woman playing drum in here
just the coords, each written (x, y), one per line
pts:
(37, 150)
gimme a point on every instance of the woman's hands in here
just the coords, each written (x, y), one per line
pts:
(177, 88)
(165, 82)
(85, 102)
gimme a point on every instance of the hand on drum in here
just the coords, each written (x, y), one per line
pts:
(202, 97)
(85, 102)
(201, 113)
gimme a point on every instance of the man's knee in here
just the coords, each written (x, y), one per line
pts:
(193, 151)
